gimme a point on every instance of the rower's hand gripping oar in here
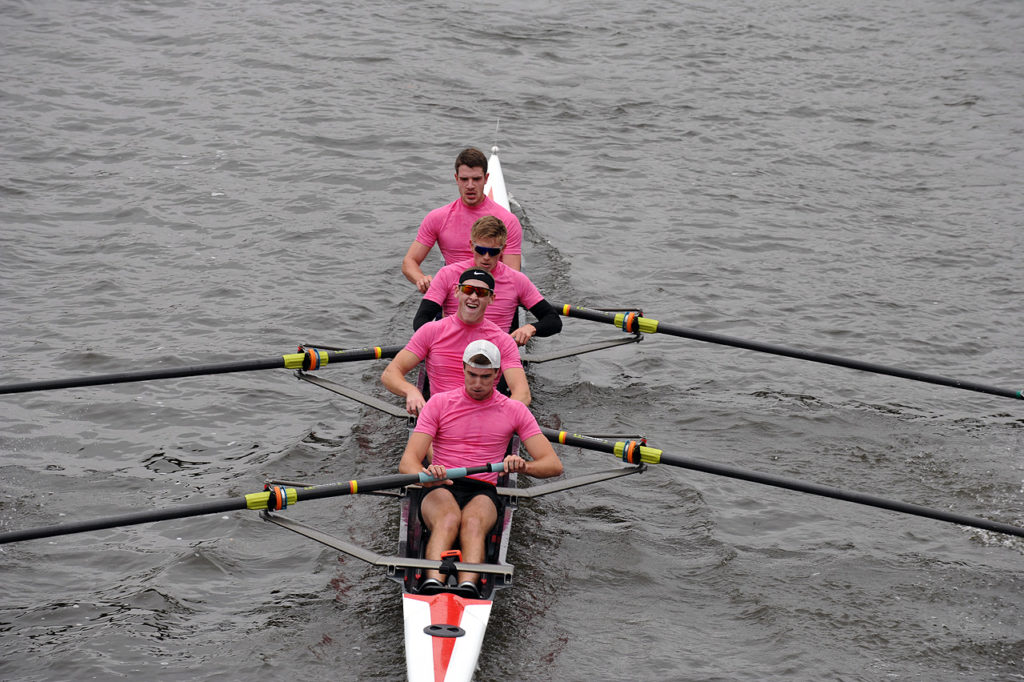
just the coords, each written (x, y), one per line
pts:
(274, 498)
(634, 452)
(308, 359)
(634, 322)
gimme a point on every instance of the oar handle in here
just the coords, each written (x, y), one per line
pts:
(634, 322)
(369, 485)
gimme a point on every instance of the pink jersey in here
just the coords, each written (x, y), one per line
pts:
(470, 432)
(441, 343)
(511, 289)
(451, 225)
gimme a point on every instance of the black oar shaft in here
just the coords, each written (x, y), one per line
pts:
(648, 325)
(198, 509)
(838, 494)
(146, 375)
(310, 359)
(646, 454)
(255, 501)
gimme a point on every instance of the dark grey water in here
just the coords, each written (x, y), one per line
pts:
(186, 183)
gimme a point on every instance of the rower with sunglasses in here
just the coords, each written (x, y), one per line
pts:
(514, 289)
(440, 344)
(449, 226)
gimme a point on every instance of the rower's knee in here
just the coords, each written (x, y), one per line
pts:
(447, 523)
(474, 526)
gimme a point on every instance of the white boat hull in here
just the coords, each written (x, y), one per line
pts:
(444, 632)
(443, 636)
(495, 187)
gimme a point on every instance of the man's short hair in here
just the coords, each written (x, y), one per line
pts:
(472, 157)
(489, 227)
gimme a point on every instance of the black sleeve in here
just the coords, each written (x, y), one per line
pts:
(548, 320)
(427, 312)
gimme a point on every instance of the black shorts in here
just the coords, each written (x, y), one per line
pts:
(465, 489)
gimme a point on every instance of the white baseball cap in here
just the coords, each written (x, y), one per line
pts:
(486, 349)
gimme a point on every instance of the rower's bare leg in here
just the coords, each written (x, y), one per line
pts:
(442, 516)
(478, 517)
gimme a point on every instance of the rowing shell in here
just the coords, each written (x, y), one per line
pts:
(444, 632)
(447, 648)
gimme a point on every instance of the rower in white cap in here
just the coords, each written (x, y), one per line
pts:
(468, 426)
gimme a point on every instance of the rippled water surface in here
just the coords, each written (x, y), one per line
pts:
(195, 183)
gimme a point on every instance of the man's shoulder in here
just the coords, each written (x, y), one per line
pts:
(496, 209)
(499, 337)
(517, 277)
(441, 211)
(442, 398)
(491, 330)
(508, 406)
(455, 269)
(428, 331)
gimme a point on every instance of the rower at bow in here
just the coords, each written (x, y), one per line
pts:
(449, 226)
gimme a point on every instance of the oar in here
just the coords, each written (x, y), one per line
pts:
(277, 497)
(633, 322)
(635, 453)
(311, 359)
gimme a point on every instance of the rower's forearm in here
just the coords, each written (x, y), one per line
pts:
(412, 270)
(427, 311)
(410, 466)
(549, 325)
(513, 260)
(544, 468)
(396, 384)
(522, 394)
(528, 329)
(549, 322)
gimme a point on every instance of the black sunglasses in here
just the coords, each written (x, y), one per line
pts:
(487, 250)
